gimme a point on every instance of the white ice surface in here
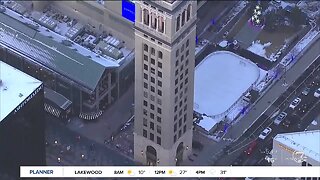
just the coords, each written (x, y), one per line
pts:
(220, 80)
(15, 82)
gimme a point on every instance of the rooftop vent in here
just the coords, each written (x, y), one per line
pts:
(20, 94)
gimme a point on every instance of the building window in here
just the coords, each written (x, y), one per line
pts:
(160, 54)
(153, 80)
(175, 138)
(159, 83)
(152, 106)
(175, 127)
(186, 72)
(184, 117)
(159, 92)
(145, 76)
(180, 103)
(154, 21)
(175, 117)
(179, 133)
(161, 24)
(185, 99)
(151, 125)
(177, 63)
(145, 112)
(159, 101)
(182, 58)
(186, 80)
(145, 57)
(184, 128)
(159, 64)
(153, 71)
(185, 89)
(159, 110)
(145, 67)
(145, 94)
(146, 17)
(188, 12)
(145, 85)
(152, 89)
(145, 48)
(181, 76)
(178, 23)
(151, 136)
(176, 91)
(185, 108)
(181, 68)
(160, 74)
(158, 140)
(151, 115)
(177, 72)
(187, 53)
(177, 53)
(158, 119)
(145, 122)
(153, 51)
(187, 43)
(180, 122)
(145, 103)
(183, 19)
(152, 97)
(158, 129)
(144, 133)
(153, 61)
(187, 62)
(182, 48)
(176, 81)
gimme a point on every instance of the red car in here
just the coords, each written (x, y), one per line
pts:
(251, 147)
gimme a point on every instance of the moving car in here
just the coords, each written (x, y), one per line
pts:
(317, 93)
(251, 147)
(306, 91)
(265, 133)
(295, 103)
(280, 118)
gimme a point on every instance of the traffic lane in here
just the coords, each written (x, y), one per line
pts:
(210, 11)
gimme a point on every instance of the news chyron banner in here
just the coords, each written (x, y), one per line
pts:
(167, 171)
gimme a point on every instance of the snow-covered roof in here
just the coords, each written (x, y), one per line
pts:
(220, 80)
(307, 142)
(15, 88)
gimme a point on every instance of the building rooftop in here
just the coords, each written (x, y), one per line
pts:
(44, 46)
(307, 142)
(16, 86)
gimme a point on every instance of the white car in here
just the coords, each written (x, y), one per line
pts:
(317, 93)
(280, 118)
(265, 133)
(295, 103)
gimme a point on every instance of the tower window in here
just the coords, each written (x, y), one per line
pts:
(153, 61)
(178, 23)
(158, 140)
(153, 51)
(151, 136)
(145, 67)
(151, 125)
(145, 122)
(160, 55)
(161, 24)
(158, 129)
(160, 74)
(187, 43)
(146, 17)
(154, 21)
(144, 133)
(145, 57)
(159, 64)
(184, 128)
(188, 12)
(159, 119)
(183, 19)
(145, 47)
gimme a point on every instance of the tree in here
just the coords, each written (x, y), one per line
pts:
(298, 17)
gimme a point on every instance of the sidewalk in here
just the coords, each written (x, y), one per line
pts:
(262, 105)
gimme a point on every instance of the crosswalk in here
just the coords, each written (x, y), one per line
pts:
(54, 111)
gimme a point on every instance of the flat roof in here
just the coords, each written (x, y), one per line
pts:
(57, 98)
(15, 88)
(43, 49)
(307, 142)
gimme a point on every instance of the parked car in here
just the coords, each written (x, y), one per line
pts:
(265, 133)
(251, 147)
(306, 91)
(317, 93)
(280, 118)
(295, 103)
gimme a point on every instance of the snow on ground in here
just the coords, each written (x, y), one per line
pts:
(299, 47)
(223, 43)
(207, 123)
(220, 80)
(200, 46)
(259, 49)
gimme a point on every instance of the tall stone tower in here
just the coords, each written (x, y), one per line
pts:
(165, 34)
